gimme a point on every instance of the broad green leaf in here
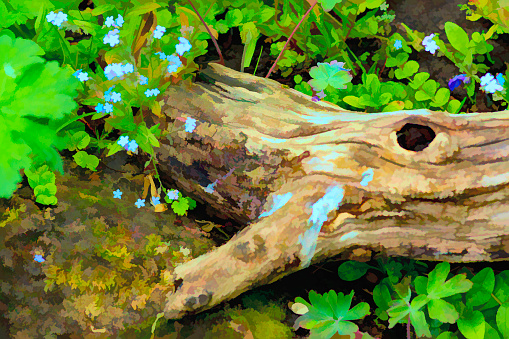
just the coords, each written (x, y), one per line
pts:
(441, 97)
(454, 106)
(399, 60)
(382, 296)
(142, 9)
(457, 37)
(79, 140)
(421, 96)
(234, 17)
(419, 79)
(352, 270)
(408, 70)
(394, 106)
(442, 311)
(484, 284)
(472, 325)
(503, 319)
(421, 327)
(328, 5)
(102, 9)
(86, 160)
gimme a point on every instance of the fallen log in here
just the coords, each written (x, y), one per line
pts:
(312, 181)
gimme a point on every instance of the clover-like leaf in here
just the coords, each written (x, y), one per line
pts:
(325, 75)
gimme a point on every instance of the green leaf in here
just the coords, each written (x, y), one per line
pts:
(503, 319)
(421, 96)
(352, 270)
(501, 291)
(408, 70)
(439, 288)
(419, 79)
(457, 37)
(421, 327)
(430, 87)
(484, 284)
(180, 207)
(441, 97)
(328, 5)
(399, 60)
(86, 160)
(325, 75)
(397, 312)
(382, 296)
(442, 311)
(142, 9)
(472, 325)
(78, 140)
(353, 101)
(191, 202)
(249, 35)
(102, 9)
(454, 106)
(28, 115)
(234, 17)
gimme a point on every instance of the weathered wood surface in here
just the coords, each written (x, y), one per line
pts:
(301, 174)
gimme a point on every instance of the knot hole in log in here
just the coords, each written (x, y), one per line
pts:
(414, 137)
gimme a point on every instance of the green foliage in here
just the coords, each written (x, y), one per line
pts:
(28, 115)
(329, 314)
(476, 303)
(99, 272)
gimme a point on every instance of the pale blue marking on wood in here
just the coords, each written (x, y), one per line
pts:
(330, 201)
(278, 202)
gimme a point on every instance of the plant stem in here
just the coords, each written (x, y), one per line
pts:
(257, 61)
(210, 33)
(290, 38)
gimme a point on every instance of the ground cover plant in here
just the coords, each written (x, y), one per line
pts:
(78, 80)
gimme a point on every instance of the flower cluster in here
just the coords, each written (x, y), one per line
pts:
(109, 96)
(113, 37)
(128, 145)
(152, 92)
(429, 44)
(117, 70)
(159, 31)
(171, 194)
(56, 18)
(492, 84)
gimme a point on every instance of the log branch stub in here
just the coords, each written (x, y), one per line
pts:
(311, 181)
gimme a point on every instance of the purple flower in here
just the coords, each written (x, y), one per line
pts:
(457, 80)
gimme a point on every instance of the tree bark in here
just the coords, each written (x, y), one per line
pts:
(312, 180)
